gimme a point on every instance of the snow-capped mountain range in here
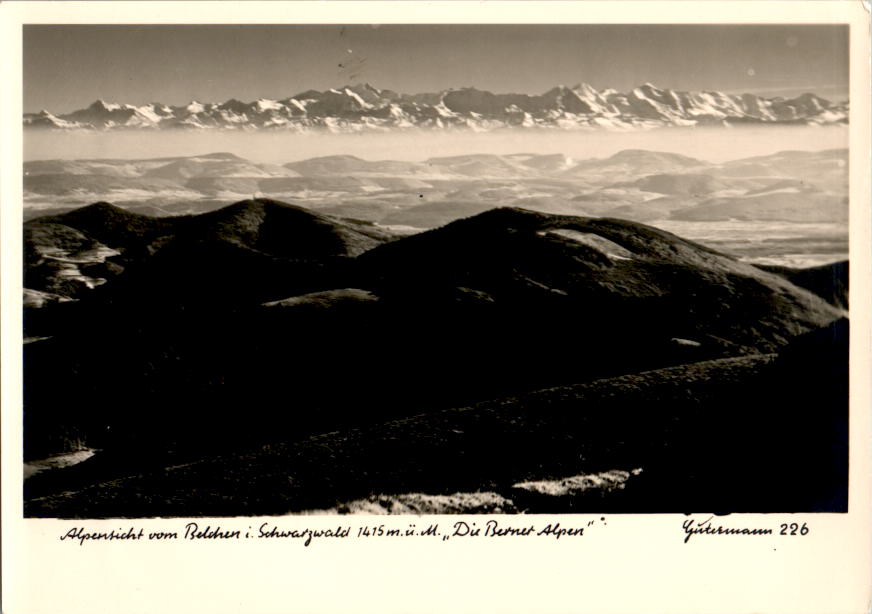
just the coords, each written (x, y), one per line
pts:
(362, 107)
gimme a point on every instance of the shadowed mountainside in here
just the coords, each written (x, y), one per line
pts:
(601, 271)
(829, 280)
(730, 435)
(251, 244)
(265, 324)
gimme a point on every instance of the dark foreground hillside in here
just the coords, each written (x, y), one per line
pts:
(730, 435)
(829, 281)
(276, 342)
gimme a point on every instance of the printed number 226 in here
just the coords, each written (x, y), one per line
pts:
(794, 529)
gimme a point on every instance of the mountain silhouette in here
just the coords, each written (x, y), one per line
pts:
(364, 107)
(605, 270)
(250, 250)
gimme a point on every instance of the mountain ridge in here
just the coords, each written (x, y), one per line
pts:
(363, 107)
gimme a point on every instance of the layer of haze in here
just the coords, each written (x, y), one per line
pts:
(709, 144)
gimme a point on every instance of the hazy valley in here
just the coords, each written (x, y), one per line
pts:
(790, 207)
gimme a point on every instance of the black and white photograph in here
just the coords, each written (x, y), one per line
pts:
(274, 270)
(431, 307)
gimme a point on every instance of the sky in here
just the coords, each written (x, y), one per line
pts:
(68, 67)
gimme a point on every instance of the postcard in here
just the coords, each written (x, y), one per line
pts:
(456, 306)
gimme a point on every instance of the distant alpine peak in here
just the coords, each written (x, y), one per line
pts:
(361, 107)
(362, 87)
(586, 88)
(104, 106)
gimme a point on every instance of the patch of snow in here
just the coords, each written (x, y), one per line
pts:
(401, 229)
(598, 482)
(38, 298)
(606, 247)
(231, 117)
(148, 113)
(57, 461)
(264, 104)
(300, 105)
(421, 503)
(443, 110)
(363, 104)
(28, 340)
(785, 190)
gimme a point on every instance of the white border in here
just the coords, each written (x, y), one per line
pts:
(634, 564)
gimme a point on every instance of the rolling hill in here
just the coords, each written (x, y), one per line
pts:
(648, 186)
